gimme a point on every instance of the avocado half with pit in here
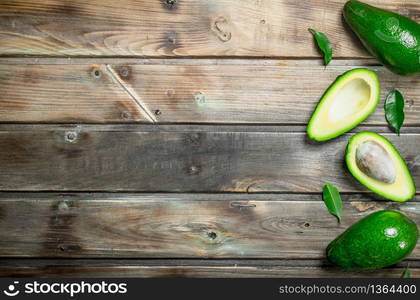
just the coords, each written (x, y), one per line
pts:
(376, 163)
(350, 99)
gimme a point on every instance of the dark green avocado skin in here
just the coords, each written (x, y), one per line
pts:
(378, 240)
(392, 38)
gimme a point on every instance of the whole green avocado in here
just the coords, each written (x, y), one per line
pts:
(392, 38)
(378, 240)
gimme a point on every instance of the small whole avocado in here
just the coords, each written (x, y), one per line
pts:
(378, 240)
(376, 164)
(392, 38)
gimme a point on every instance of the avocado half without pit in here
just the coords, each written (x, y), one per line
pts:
(375, 162)
(350, 99)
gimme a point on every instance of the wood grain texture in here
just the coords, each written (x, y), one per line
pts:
(193, 268)
(188, 28)
(183, 159)
(147, 227)
(285, 93)
(64, 94)
(180, 91)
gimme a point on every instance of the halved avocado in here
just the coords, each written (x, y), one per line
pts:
(349, 100)
(401, 188)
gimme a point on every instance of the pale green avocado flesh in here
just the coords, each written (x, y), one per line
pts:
(350, 99)
(401, 188)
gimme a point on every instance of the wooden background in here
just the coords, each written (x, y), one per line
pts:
(167, 138)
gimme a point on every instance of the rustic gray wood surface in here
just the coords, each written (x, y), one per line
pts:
(181, 91)
(179, 225)
(81, 158)
(144, 139)
(188, 28)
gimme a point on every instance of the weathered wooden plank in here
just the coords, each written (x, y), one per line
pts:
(149, 158)
(180, 91)
(140, 227)
(64, 93)
(189, 268)
(285, 93)
(187, 28)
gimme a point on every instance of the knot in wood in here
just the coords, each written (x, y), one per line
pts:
(96, 73)
(124, 72)
(219, 28)
(170, 5)
(125, 115)
(170, 93)
(70, 136)
(63, 206)
(212, 235)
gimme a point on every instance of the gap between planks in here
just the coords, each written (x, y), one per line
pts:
(186, 128)
(112, 262)
(236, 199)
(266, 61)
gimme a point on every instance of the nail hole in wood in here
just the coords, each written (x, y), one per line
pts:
(158, 112)
(171, 40)
(124, 72)
(200, 97)
(125, 115)
(306, 224)
(63, 206)
(194, 170)
(409, 103)
(212, 235)
(96, 73)
(70, 136)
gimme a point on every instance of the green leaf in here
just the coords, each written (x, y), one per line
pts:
(394, 110)
(406, 273)
(332, 200)
(323, 44)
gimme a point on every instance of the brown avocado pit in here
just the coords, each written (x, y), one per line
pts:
(373, 160)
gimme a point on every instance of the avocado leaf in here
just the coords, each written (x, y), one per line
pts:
(406, 273)
(394, 110)
(323, 44)
(332, 200)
